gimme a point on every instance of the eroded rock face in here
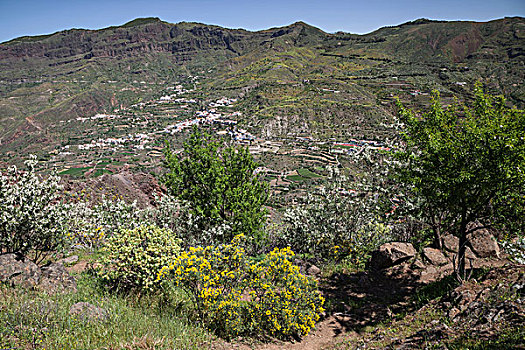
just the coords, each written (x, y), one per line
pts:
(390, 254)
(17, 270)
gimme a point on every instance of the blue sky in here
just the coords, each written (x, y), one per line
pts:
(33, 17)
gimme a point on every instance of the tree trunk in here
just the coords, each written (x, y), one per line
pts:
(437, 238)
(461, 265)
(436, 227)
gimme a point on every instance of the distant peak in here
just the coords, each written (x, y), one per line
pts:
(141, 21)
(422, 21)
(302, 24)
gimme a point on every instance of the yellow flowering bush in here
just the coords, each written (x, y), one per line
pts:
(234, 295)
(133, 257)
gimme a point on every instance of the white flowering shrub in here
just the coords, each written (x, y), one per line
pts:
(32, 221)
(89, 225)
(166, 213)
(176, 215)
(515, 249)
(334, 223)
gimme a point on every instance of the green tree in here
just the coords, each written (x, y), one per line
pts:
(220, 185)
(466, 165)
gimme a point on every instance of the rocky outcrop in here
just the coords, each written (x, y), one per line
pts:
(433, 264)
(390, 254)
(497, 298)
(18, 270)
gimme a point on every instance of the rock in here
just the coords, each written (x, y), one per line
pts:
(313, 271)
(418, 264)
(450, 243)
(469, 254)
(429, 275)
(69, 260)
(390, 254)
(18, 270)
(56, 278)
(88, 312)
(301, 264)
(452, 313)
(483, 244)
(434, 256)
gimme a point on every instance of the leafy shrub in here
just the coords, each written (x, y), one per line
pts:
(234, 295)
(135, 256)
(221, 185)
(465, 164)
(31, 219)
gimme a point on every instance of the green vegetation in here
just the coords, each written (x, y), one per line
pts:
(37, 320)
(296, 93)
(78, 172)
(220, 186)
(303, 174)
(235, 296)
(133, 258)
(330, 225)
(466, 165)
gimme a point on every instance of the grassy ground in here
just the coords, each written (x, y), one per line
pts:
(35, 320)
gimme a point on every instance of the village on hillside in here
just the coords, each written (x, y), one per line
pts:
(134, 138)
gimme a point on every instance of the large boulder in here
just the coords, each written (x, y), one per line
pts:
(451, 243)
(390, 254)
(483, 244)
(434, 256)
(18, 270)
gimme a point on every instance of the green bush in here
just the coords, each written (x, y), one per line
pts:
(236, 296)
(220, 184)
(134, 257)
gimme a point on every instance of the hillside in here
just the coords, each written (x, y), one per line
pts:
(263, 190)
(288, 82)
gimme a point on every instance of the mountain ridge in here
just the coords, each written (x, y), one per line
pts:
(281, 72)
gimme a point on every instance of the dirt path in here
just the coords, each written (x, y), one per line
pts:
(326, 334)
(356, 301)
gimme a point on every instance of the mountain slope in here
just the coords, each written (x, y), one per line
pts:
(294, 80)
